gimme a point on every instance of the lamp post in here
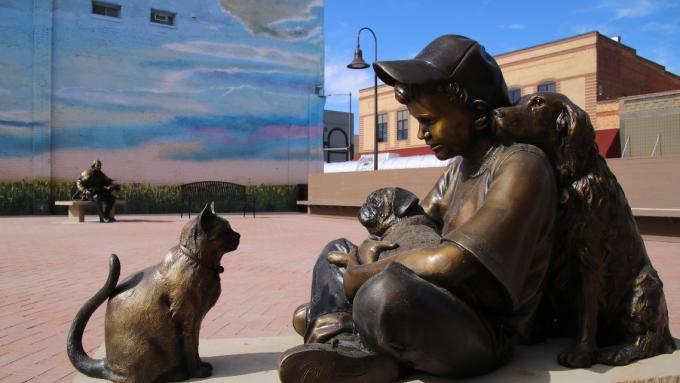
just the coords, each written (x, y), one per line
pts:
(359, 63)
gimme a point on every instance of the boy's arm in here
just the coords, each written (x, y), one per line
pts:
(446, 266)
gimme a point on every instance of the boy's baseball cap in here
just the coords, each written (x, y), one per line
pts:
(450, 58)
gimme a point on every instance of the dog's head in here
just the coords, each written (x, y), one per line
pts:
(384, 207)
(553, 123)
(209, 235)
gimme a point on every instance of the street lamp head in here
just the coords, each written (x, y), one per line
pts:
(358, 62)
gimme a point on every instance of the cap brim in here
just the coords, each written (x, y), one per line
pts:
(408, 72)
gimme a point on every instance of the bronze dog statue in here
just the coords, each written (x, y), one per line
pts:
(620, 312)
(153, 318)
(393, 216)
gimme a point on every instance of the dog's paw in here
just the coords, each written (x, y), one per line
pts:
(618, 355)
(577, 356)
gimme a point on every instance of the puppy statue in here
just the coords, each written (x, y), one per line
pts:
(393, 216)
(154, 317)
(619, 314)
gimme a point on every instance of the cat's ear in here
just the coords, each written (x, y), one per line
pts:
(207, 216)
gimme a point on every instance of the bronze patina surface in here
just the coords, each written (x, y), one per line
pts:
(519, 232)
(94, 185)
(153, 318)
(619, 312)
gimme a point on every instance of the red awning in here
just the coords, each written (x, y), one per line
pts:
(608, 142)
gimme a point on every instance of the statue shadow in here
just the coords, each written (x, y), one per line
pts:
(140, 220)
(535, 363)
(242, 364)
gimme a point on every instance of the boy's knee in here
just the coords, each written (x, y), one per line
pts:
(379, 309)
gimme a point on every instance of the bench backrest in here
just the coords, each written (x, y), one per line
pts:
(205, 191)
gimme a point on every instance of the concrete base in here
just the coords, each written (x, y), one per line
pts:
(254, 360)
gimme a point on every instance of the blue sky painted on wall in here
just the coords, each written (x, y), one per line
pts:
(231, 80)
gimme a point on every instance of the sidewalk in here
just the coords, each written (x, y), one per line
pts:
(50, 267)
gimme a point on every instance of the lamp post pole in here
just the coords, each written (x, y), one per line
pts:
(359, 63)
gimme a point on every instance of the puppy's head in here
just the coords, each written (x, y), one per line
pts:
(209, 235)
(553, 123)
(386, 206)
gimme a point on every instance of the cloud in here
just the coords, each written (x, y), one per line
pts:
(340, 79)
(626, 9)
(655, 26)
(288, 20)
(513, 26)
(249, 53)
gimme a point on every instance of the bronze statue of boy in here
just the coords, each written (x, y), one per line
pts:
(457, 309)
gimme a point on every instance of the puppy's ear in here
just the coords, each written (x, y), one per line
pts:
(403, 201)
(481, 113)
(574, 123)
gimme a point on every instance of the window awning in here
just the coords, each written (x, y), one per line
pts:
(608, 142)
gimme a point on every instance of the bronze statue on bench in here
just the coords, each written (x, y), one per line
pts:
(458, 308)
(94, 185)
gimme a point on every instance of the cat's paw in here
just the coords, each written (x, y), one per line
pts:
(577, 356)
(203, 370)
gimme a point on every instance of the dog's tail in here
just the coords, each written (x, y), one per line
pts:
(95, 368)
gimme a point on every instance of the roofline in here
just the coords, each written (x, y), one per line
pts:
(575, 37)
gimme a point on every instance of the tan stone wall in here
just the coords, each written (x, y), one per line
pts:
(607, 115)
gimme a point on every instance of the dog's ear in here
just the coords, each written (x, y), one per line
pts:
(575, 124)
(403, 201)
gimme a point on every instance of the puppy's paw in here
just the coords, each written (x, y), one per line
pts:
(577, 356)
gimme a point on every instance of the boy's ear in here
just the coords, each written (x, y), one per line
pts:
(480, 111)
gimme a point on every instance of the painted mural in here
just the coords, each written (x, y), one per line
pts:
(229, 92)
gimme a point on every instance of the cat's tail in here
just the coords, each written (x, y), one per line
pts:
(95, 368)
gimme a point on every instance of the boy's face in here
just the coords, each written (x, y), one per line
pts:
(450, 125)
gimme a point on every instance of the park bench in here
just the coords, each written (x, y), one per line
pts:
(76, 209)
(197, 194)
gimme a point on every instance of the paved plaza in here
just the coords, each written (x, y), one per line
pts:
(50, 267)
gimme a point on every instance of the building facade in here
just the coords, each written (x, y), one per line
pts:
(163, 92)
(593, 70)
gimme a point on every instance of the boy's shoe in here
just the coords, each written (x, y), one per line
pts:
(331, 362)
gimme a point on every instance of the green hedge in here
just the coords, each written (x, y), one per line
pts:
(37, 197)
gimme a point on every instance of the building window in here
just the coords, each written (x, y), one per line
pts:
(514, 95)
(105, 9)
(402, 124)
(382, 127)
(547, 87)
(162, 17)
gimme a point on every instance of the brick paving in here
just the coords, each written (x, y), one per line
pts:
(50, 267)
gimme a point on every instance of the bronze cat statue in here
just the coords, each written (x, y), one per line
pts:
(153, 318)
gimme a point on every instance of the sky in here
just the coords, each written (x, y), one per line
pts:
(404, 27)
